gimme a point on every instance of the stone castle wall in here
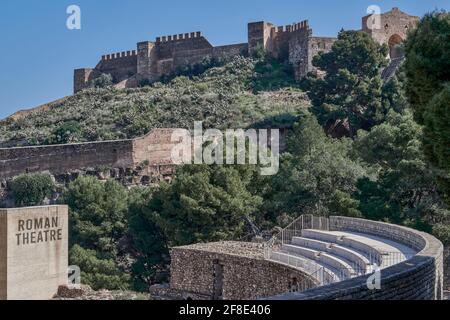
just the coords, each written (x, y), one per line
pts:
(82, 78)
(394, 22)
(300, 53)
(244, 274)
(154, 148)
(120, 66)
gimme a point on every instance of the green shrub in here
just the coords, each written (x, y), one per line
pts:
(98, 272)
(32, 189)
(68, 132)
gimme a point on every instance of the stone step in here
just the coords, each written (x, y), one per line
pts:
(355, 258)
(374, 254)
(345, 269)
(381, 251)
(321, 273)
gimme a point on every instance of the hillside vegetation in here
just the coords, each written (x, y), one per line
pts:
(227, 96)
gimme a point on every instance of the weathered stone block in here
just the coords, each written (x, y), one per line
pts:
(33, 252)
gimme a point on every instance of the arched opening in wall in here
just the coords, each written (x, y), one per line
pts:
(395, 47)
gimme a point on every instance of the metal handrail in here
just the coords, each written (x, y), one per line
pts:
(294, 229)
(321, 275)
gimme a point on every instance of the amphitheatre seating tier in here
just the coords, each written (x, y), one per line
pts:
(411, 261)
(358, 259)
(321, 273)
(330, 261)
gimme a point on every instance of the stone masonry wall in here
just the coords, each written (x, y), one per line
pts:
(447, 268)
(151, 154)
(82, 77)
(317, 45)
(299, 55)
(120, 65)
(394, 22)
(153, 149)
(230, 50)
(62, 158)
(246, 275)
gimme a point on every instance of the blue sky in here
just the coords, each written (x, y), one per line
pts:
(38, 52)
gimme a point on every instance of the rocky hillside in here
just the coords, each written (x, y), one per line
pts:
(240, 93)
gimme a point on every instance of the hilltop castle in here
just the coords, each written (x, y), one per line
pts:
(294, 43)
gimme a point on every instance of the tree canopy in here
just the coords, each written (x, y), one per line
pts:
(350, 93)
(428, 89)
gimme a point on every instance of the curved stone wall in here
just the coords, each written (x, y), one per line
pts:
(231, 271)
(419, 278)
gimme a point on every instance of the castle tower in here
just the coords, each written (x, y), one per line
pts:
(390, 28)
(259, 37)
(146, 60)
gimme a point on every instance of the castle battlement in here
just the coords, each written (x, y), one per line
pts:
(302, 25)
(293, 43)
(119, 55)
(179, 37)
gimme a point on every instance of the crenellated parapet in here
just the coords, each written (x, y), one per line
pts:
(300, 26)
(179, 37)
(119, 55)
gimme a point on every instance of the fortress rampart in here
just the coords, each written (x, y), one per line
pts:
(153, 149)
(294, 43)
(63, 158)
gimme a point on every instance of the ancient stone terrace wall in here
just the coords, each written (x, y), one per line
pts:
(230, 271)
(63, 158)
(420, 278)
(154, 149)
